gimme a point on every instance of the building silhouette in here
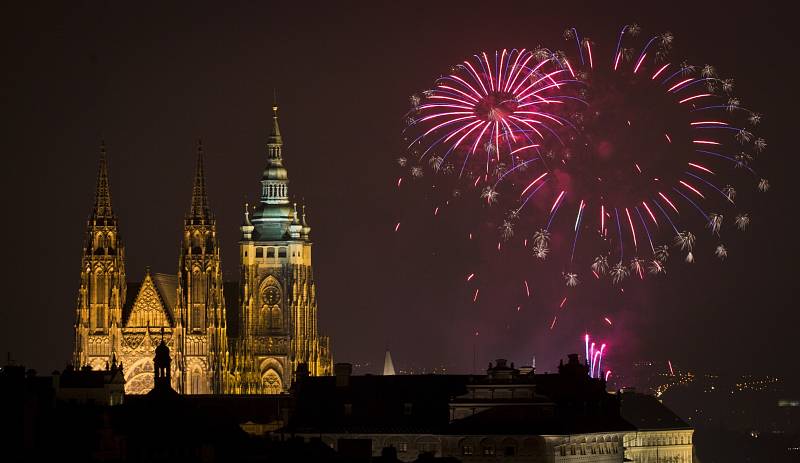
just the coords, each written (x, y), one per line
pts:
(272, 309)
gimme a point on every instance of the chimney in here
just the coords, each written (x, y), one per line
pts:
(342, 371)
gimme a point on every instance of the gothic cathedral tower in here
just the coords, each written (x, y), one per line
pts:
(202, 343)
(101, 295)
(278, 318)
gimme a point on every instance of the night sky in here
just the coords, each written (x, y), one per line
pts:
(151, 80)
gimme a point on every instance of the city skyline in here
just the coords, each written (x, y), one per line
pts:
(150, 92)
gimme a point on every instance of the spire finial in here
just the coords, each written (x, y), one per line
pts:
(102, 198)
(200, 208)
(275, 135)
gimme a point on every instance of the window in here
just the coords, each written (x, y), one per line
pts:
(270, 252)
(276, 317)
(195, 387)
(196, 317)
(281, 252)
(467, 449)
(198, 287)
(198, 299)
(348, 411)
(100, 295)
(101, 317)
(427, 447)
(402, 447)
(488, 451)
(259, 252)
(407, 407)
(510, 451)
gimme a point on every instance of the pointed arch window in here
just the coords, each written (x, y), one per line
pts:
(100, 312)
(272, 382)
(198, 299)
(100, 288)
(195, 383)
(276, 318)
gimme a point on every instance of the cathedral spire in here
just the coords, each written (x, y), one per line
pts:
(275, 141)
(275, 180)
(102, 200)
(200, 208)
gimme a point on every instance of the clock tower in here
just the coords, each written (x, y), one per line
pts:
(278, 317)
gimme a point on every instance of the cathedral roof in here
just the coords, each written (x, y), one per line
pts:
(166, 290)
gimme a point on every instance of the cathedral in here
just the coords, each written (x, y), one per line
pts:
(245, 337)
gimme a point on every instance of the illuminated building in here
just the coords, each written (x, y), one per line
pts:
(274, 305)
(509, 415)
(660, 434)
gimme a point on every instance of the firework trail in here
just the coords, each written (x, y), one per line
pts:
(594, 358)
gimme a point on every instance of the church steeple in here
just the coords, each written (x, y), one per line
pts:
(200, 211)
(102, 291)
(275, 134)
(102, 200)
(275, 180)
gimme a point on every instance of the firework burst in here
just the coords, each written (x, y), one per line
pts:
(490, 112)
(644, 149)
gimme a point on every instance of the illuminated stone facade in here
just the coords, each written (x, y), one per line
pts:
(657, 446)
(275, 299)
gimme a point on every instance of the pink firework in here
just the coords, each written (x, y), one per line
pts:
(594, 358)
(647, 150)
(495, 108)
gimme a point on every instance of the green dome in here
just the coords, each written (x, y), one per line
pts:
(275, 172)
(271, 211)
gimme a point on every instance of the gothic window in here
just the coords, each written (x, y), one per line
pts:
(197, 242)
(198, 299)
(261, 323)
(281, 252)
(196, 317)
(198, 287)
(270, 252)
(100, 288)
(195, 383)
(101, 316)
(259, 252)
(277, 320)
(272, 382)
